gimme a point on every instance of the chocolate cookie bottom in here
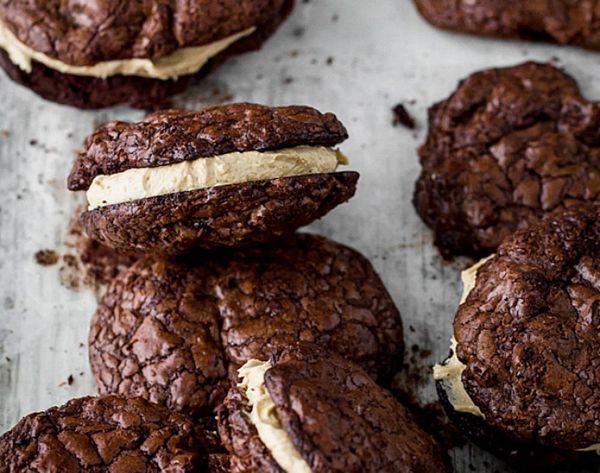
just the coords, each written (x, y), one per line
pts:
(519, 455)
(233, 215)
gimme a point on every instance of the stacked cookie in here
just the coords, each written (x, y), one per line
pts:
(97, 54)
(511, 170)
(289, 340)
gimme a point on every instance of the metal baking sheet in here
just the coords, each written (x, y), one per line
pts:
(353, 57)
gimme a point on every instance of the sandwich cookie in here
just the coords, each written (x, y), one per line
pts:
(522, 380)
(104, 434)
(508, 147)
(173, 331)
(100, 53)
(229, 175)
(307, 410)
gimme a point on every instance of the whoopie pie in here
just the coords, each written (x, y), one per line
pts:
(107, 434)
(306, 410)
(173, 331)
(98, 53)
(508, 147)
(558, 21)
(523, 379)
(229, 175)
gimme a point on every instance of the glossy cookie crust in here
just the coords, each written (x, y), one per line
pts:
(508, 147)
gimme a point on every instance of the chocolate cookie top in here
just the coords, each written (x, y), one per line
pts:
(156, 334)
(168, 330)
(172, 136)
(102, 434)
(560, 21)
(507, 147)
(528, 333)
(336, 416)
(102, 30)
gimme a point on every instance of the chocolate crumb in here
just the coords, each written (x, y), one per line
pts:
(70, 380)
(90, 264)
(299, 31)
(46, 257)
(329, 61)
(402, 117)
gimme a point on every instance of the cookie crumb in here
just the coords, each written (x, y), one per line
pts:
(70, 380)
(402, 117)
(46, 257)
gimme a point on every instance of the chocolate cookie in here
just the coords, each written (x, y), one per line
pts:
(557, 21)
(523, 376)
(103, 434)
(88, 58)
(506, 148)
(170, 330)
(225, 176)
(308, 410)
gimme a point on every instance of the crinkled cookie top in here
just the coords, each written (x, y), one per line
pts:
(83, 33)
(529, 333)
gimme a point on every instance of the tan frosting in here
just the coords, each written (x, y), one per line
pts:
(450, 373)
(201, 173)
(183, 61)
(263, 416)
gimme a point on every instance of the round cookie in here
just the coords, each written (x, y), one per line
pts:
(308, 410)
(170, 330)
(508, 147)
(558, 21)
(228, 175)
(522, 379)
(41, 46)
(101, 434)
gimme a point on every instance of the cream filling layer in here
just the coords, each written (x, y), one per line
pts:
(184, 61)
(450, 373)
(262, 414)
(201, 173)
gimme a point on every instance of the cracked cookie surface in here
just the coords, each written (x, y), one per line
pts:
(138, 92)
(506, 148)
(528, 334)
(172, 136)
(559, 21)
(335, 415)
(104, 30)
(105, 434)
(170, 330)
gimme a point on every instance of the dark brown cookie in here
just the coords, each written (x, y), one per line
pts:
(234, 215)
(227, 215)
(506, 148)
(104, 434)
(528, 335)
(168, 330)
(153, 32)
(558, 21)
(335, 416)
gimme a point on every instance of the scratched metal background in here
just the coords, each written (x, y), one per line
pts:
(354, 57)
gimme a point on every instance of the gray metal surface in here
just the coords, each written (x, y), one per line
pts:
(354, 57)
